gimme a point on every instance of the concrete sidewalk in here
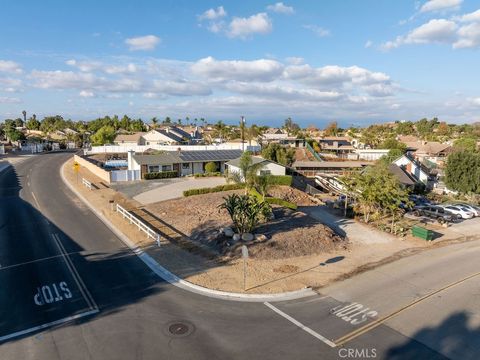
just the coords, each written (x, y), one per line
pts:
(357, 233)
(175, 189)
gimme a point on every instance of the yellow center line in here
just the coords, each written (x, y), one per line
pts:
(378, 322)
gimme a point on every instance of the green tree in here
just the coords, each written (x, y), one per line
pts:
(33, 124)
(105, 135)
(332, 129)
(462, 172)
(248, 171)
(210, 167)
(465, 143)
(392, 143)
(277, 153)
(263, 183)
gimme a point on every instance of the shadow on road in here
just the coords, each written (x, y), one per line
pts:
(30, 257)
(454, 338)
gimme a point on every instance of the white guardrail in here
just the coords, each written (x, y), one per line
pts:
(87, 183)
(141, 226)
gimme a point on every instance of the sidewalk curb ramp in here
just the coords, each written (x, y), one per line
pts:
(174, 279)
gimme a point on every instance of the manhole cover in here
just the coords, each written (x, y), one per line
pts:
(179, 328)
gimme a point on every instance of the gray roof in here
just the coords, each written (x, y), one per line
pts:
(255, 160)
(175, 157)
(401, 175)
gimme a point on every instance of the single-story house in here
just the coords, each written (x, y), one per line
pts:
(183, 162)
(129, 139)
(405, 179)
(170, 135)
(267, 167)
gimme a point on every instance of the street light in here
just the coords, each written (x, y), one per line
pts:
(242, 126)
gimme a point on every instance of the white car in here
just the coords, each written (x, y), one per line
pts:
(460, 211)
(474, 209)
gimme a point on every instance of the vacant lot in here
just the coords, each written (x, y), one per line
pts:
(290, 234)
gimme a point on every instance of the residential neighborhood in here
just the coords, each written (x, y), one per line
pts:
(239, 180)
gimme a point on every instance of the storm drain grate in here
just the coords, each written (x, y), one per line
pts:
(178, 329)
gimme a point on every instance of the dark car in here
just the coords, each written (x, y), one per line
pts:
(434, 212)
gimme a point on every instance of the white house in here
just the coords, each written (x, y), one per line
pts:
(416, 169)
(268, 167)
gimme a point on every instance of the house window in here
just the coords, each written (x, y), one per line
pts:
(265, 172)
(186, 166)
(153, 168)
(166, 167)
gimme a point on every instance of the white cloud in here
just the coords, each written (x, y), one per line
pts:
(295, 60)
(11, 67)
(469, 36)
(317, 30)
(435, 31)
(147, 42)
(244, 27)
(473, 16)
(258, 70)
(86, 94)
(436, 5)
(368, 44)
(281, 8)
(213, 14)
(9, 100)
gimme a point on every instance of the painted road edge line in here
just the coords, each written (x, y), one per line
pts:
(47, 325)
(174, 279)
(300, 325)
(372, 325)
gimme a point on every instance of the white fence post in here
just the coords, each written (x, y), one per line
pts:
(141, 226)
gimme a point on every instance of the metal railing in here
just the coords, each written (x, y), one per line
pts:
(139, 223)
(87, 183)
(313, 152)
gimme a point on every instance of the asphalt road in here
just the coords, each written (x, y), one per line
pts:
(72, 290)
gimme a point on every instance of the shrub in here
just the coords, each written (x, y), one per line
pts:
(273, 200)
(160, 175)
(218, 188)
(210, 167)
(208, 174)
(281, 202)
(281, 180)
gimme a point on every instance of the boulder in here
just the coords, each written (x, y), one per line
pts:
(228, 232)
(236, 237)
(247, 237)
(261, 237)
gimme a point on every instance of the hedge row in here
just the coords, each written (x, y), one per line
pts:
(218, 188)
(281, 180)
(208, 174)
(160, 175)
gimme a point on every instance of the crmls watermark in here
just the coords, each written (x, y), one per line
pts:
(348, 353)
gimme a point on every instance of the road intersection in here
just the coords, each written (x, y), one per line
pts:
(72, 289)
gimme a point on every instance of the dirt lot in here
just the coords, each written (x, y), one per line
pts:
(290, 234)
(329, 261)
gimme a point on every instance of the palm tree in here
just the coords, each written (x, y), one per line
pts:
(154, 122)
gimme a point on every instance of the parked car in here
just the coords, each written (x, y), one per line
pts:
(434, 212)
(472, 208)
(460, 211)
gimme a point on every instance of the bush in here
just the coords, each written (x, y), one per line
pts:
(160, 175)
(273, 200)
(208, 174)
(218, 188)
(281, 202)
(210, 167)
(281, 180)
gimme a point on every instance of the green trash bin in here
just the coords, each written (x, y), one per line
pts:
(422, 233)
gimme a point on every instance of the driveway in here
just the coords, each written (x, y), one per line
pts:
(354, 231)
(173, 190)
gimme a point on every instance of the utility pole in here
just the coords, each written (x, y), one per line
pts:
(242, 126)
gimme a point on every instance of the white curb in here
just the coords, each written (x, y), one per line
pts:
(178, 282)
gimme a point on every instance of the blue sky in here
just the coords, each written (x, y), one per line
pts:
(356, 62)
